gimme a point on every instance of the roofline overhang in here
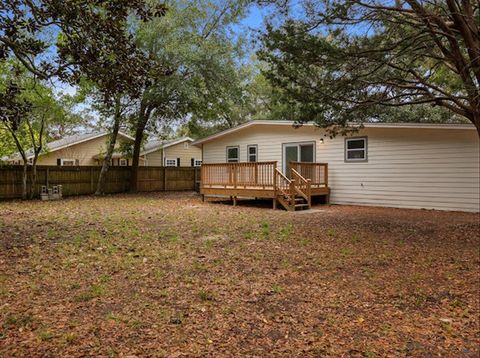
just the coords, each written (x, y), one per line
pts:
(462, 126)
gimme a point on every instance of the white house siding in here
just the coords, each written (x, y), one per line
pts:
(406, 168)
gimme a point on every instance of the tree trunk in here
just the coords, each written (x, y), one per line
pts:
(111, 147)
(34, 176)
(141, 124)
(24, 179)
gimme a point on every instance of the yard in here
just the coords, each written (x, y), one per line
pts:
(168, 275)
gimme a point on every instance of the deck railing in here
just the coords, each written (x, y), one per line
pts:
(316, 172)
(302, 186)
(239, 175)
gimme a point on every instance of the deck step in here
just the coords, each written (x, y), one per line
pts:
(301, 205)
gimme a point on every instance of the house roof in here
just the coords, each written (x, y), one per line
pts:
(67, 142)
(366, 125)
(156, 144)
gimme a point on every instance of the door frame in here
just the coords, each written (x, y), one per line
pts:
(298, 144)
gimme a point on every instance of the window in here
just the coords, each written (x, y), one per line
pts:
(123, 162)
(169, 162)
(233, 154)
(356, 149)
(197, 162)
(252, 152)
(67, 162)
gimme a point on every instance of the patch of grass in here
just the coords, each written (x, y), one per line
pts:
(331, 232)
(199, 267)
(45, 335)
(51, 233)
(18, 321)
(105, 279)
(163, 293)
(346, 252)
(209, 243)
(205, 295)
(265, 229)
(248, 235)
(169, 234)
(276, 288)
(112, 316)
(69, 338)
(285, 264)
(94, 291)
(74, 286)
(158, 273)
(356, 238)
(77, 241)
(286, 232)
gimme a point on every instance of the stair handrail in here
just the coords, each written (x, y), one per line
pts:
(303, 186)
(282, 180)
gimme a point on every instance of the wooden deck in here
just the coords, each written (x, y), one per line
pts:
(264, 180)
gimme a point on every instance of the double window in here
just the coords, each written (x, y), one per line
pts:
(356, 149)
(123, 162)
(68, 162)
(197, 162)
(170, 162)
(233, 154)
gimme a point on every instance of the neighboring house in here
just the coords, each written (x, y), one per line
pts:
(406, 165)
(171, 153)
(81, 149)
(90, 149)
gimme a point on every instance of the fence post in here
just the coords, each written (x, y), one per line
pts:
(91, 180)
(164, 178)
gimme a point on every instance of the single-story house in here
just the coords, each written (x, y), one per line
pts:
(171, 153)
(90, 149)
(81, 149)
(404, 165)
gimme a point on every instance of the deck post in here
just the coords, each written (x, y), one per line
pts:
(234, 201)
(275, 203)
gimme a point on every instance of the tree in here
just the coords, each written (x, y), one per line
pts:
(193, 65)
(27, 109)
(349, 60)
(92, 40)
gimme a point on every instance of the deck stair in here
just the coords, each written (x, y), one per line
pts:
(293, 193)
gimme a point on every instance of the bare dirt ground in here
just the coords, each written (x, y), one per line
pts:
(167, 275)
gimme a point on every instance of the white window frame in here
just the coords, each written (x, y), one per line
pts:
(62, 162)
(233, 160)
(249, 154)
(197, 162)
(122, 162)
(364, 149)
(171, 162)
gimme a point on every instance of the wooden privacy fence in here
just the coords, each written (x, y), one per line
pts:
(82, 180)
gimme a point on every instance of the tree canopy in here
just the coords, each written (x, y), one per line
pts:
(353, 60)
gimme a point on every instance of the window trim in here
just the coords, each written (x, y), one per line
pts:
(365, 149)
(238, 153)
(171, 159)
(62, 160)
(195, 162)
(123, 160)
(256, 153)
